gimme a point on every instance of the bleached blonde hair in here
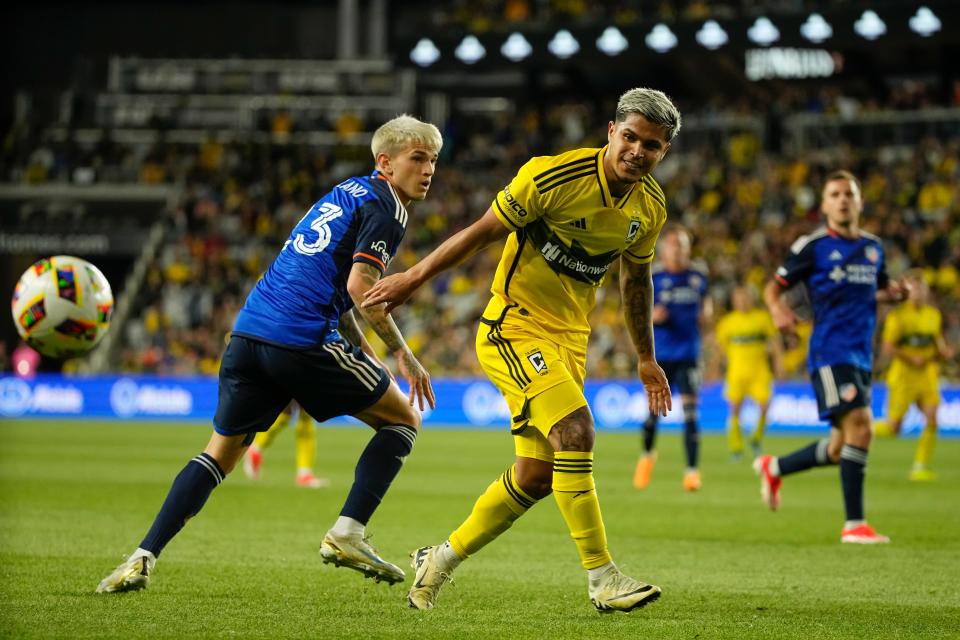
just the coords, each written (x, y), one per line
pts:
(653, 105)
(397, 134)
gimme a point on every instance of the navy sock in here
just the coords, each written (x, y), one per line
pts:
(812, 455)
(186, 497)
(853, 464)
(691, 442)
(691, 434)
(378, 465)
(649, 433)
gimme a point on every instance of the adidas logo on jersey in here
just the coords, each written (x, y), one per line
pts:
(836, 255)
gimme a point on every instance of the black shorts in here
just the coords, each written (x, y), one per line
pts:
(683, 375)
(840, 388)
(257, 380)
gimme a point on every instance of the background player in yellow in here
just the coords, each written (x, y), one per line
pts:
(750, 344)
(306, 444)
(911, 335)
(565, 218)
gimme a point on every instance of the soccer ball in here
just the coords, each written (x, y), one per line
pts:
(62, 306)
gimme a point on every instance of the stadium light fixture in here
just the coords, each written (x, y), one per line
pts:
(763, 32)
(470, 50)
(925, 22)
(425, 53)
(711, 35)
(516, 47)
(660, 38)
(816, 29)
(612, 42)
(869, 25)
(563, 45)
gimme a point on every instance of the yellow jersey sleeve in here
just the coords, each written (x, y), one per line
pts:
(519, 203)
(891, 328)
(723, 333)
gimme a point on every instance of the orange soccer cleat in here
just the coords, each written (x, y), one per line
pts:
(641, 477)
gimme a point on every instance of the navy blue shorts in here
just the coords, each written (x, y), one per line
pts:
(257, 380)
(840, 388)
(683, 375)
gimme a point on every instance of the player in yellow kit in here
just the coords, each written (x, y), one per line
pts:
(911, 335)
(565, 218)
(306, 443)
(749, 342)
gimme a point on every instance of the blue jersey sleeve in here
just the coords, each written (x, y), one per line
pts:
(883, 279)
(798, 264)
(378, 236)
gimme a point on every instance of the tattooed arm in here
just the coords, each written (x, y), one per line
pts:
(362, 278)
(636, 292)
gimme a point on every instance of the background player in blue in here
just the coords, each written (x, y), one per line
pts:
(297, 338)
(680, 304)
(843, 270)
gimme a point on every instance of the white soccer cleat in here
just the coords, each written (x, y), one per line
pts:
(354, 552)
(428, 579)
(619, 592)
(132, 575)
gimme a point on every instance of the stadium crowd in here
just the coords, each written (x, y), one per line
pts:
(743, 202)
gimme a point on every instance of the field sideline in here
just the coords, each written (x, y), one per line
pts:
(76, 496)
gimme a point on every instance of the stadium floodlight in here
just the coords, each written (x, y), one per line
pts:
(425, 53)
(870, 26)
(470, 50)
(660, 38)
(711, 35)
(816, 29)
(612, 42)
(516, 47)
(925, 22)
(563, 45)
(763, 32)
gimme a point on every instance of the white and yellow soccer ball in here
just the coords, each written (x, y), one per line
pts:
(62, 306)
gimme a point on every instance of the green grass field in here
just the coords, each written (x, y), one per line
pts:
(76, 496)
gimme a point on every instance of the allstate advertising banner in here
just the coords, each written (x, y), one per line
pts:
(460, 403)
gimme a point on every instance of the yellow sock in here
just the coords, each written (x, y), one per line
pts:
(306, 434)
(759, 429)
(576, 495)
(928, 438)
(493, 513)
(265, 438)
(734, 434)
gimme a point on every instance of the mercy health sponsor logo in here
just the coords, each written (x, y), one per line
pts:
(129, 398)
(19, 397)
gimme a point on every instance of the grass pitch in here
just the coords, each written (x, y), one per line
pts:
(76, 496)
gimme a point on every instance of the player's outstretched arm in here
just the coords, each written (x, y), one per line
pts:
(362, 278)
(784, 319)
(636, 291)
(395, 289)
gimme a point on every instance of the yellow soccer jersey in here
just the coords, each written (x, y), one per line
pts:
(913, 330)
(743, 336)
(568, 231)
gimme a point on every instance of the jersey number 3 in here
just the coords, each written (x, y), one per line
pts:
(328, 213)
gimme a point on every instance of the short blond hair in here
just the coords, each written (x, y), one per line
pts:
(402, 132)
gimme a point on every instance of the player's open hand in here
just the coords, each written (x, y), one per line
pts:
(393, 290)
(418, 379)
(655, 384)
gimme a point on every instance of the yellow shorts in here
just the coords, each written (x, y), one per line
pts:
(921, 387)
(753, 384)
(541, 380)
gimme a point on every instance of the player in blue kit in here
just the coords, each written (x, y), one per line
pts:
(843, 270)
(680, 304)
(297, 338)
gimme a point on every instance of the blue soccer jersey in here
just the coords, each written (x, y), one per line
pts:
(682, 293)
(299, 300)
(842, 277)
